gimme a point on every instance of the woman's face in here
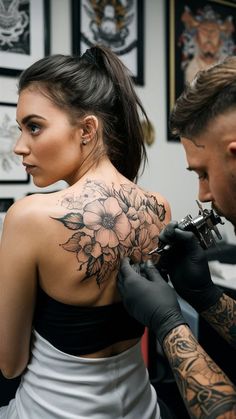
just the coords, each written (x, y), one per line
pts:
(49, 144)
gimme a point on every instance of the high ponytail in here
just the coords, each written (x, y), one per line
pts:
(127, 151)
(99, 83)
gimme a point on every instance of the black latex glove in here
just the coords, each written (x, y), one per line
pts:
(188, 268)
(149, 299)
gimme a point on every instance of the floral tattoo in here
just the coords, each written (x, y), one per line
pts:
(109, 224)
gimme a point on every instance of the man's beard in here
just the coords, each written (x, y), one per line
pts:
(218, 212)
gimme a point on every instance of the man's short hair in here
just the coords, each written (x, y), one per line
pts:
(212, 92)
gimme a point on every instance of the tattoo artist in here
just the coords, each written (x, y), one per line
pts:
(204, 117)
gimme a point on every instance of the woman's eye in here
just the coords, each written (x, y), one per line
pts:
(34, 129)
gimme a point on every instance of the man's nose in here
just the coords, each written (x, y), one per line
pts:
(204, 193)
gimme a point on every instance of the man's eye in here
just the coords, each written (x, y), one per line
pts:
(202, 176)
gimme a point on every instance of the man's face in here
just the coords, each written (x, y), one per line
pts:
(212, 155)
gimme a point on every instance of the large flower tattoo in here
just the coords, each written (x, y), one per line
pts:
(108, 221)
(109, 224)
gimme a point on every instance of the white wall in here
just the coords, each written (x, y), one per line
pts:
(166, 171)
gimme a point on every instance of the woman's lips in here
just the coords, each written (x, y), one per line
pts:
(29, 167)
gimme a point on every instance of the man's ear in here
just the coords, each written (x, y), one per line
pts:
(89, 127)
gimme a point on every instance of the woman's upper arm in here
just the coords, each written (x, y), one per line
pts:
(17, 290)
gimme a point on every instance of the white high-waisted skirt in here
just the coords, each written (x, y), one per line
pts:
(56, 385)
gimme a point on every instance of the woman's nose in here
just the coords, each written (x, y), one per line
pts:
(21, 148)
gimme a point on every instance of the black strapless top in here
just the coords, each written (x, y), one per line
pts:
(79, 330)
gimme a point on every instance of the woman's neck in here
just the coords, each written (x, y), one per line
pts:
(99, 169)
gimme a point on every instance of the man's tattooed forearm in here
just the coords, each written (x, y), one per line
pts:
(222, 316)
(206, 390)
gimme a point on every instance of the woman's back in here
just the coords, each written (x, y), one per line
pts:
(78, 235)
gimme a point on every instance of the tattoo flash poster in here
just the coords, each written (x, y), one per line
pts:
(199, 34)
(114, 24)
(23, 34)
(203, 33)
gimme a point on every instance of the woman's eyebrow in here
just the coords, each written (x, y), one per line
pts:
(28, 117)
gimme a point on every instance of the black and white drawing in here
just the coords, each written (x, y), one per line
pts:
(24, 33)
(117, 25)
(15, 26)
(11, 169)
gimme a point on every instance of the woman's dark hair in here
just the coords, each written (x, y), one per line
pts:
(98, 83)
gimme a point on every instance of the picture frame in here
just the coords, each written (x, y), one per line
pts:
(27, 38)
(198, 34)
(123, 32)
(11, 169)
(5, 204)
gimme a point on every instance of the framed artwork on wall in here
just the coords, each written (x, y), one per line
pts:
(199, 34)
(5, 204)
(11, 169)
(24, 34)
(117, 25)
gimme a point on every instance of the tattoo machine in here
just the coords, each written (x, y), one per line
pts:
(202, 226)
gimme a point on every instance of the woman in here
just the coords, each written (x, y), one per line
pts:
(62, 324)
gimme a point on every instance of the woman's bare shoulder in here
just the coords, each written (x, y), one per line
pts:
(27, 207)
(20, 209)
(30, 215)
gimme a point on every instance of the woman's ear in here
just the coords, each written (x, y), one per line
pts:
(89, 127)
